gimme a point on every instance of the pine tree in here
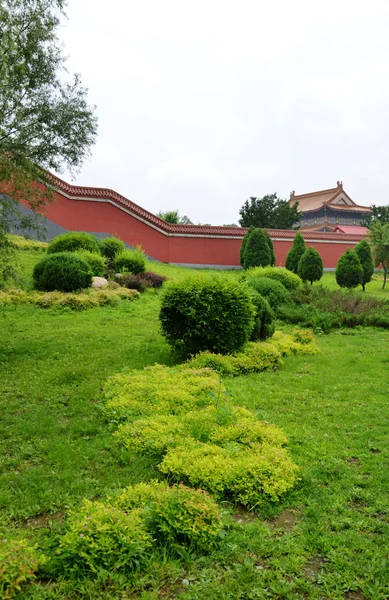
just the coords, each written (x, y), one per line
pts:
(257, 252)
(271, 248)
(295, 253)
(310, 267)
(244, 242)
(349, 272)
(365, 258)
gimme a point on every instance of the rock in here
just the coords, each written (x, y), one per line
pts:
(99, 282)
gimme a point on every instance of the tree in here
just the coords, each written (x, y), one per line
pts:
(379, 213)
(256, 252)
(271, 248)
(379, 239)
(45, 123)
(269, 212)
(349, 271)
(295, 253)
(310, 266)
(364, 254)
(243, 246)
(173, 217)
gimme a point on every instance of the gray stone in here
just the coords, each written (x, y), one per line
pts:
(99, 282)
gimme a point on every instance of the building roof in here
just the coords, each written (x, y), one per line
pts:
(315, 200)
(351, 229)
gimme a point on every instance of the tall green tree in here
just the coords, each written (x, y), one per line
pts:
(271, 248)
(349, 272)
(257, 252)
(379, 213)
(45, 121)
(173, 217)
(269, 212)
(379, 239)
(295, 253)
(243, 246)
(365, 258)
(310, 265)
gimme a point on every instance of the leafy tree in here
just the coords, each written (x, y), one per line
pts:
(243, 246)
(379, 213)
(295, 253)
(310, 266)
(257, 252)
(379, 238)
(271, 248)
(173, 217)
(364, 254)
(45, 123)
(349, 271)
(269, 212)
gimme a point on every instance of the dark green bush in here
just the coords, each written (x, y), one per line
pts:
(95, 261)
(263, 326)
(295, 253)
(310, 267)
(243, 246)
(271, 248)
(271, 289)
(207, 313)
(131, 261)
(349, 272)
(257, 252)
(111, 246)
(73, 241)
(65, 272)
(365, 258)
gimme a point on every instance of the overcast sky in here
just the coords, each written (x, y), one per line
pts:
(203, 103)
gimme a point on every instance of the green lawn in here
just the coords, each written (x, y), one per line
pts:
(327, 539)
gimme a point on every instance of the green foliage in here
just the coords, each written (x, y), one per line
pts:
(81, 301)
(288, 279)
(379, 239)
(111, 246)
(95, 261)
(269, 212)
(74, 241)
(19, 562)
(379, 213)
(64, 272)
(349, 272)
(310, 267)
(365, 258)
(243, 246)
(271, 289)
(263, 325)
(131, 261)
(173, 217)
(295, 253)
(103, 537)
(176, 516)
(257, 251)
(271, 248)
(206, 313)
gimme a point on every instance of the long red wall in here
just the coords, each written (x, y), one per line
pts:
(98, 210)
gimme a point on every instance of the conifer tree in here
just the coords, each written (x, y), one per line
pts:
(365, 258)
(257, 252)
(295, 253)
(244, 242)
(271, 248)
(349, 271)
(310, 266)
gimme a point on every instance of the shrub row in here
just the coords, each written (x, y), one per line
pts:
(89, 299)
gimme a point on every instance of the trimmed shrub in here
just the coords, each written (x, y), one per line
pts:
(176, 516)
(243, 246)
(310, 267)
(206, 313)
(110, 247)
(255, 359)
(271, 247)
(95, 261)
(103, 537)
(257, 251)
(263, 325)
(349, 272)
(18, 564)
(288, 279)
(365, 258)
(271, 289)
(131, 261)
(153, 280)
(73, 241)
(65, 272)
(141, 281)
(295, 253)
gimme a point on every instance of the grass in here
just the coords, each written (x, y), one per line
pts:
(327, 539)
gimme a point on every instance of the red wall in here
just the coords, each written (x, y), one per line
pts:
(102, 216)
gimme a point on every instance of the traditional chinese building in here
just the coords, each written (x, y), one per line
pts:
(326, 209)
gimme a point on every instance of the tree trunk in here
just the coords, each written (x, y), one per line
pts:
(385, 272)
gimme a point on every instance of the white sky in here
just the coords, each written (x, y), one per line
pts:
(203, 103)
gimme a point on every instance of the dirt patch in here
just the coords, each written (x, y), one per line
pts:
(285, 521)
(242, 515)
(43, 520)
(353, 460)
(353, 596)
(313, 567)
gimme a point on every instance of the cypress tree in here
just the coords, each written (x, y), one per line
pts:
(349, 272)
(310, 267)
(364, 254)
(271, 248)
(295, 253)
(256, 252)
(244, 242)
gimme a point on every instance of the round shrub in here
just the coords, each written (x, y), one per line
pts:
(289, 280)
(73, 241)
(349, 272)
(310, 266)
(271, 289)
(207, 313)
(95, 261)
(65, 272)
(263, 326)
(131, 261)
(111, 246)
